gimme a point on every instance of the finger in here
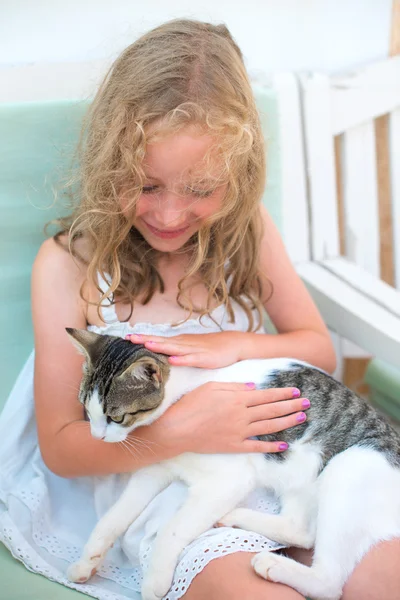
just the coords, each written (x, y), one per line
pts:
(140, 338)
(268, 395)
(166, 347)
(264, 447)
(275, 425)
(277, 409)
(190, 360)
(225, 386)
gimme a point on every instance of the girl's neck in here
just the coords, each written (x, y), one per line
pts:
(170, 259)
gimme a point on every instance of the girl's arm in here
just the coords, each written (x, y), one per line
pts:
(301, 331)
(66, 444)
(193, 424)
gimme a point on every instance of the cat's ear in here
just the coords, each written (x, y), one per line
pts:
(85, 341)
(144, 369)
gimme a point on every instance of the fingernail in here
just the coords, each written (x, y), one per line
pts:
(296, 393)
(137, 335)
(306, 403)
(301, 417)
(251, 385)
(283, 446)
(128, 336)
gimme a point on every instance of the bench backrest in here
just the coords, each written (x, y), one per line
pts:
(352, 140)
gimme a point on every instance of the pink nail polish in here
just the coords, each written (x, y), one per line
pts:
(128, 336)
(251, 385)
(306, 403)
(296, 393)
(283, 446)
(301, 417)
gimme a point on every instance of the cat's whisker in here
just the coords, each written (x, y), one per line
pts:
(138, 444)
(70, 386)
(146, 441)
(135, 442)
(133, 451)
(126, 449)
(138, 448)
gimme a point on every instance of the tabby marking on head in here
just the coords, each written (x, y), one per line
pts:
(123, 384)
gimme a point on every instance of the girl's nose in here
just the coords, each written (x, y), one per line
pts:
(171, 210)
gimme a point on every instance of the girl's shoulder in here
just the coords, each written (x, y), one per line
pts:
(54, 261)
(59, 275)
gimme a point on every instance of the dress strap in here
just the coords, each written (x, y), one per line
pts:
(107, 309)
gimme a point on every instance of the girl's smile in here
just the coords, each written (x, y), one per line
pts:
(166, 234)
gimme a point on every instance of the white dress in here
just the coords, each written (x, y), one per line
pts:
(45, 520)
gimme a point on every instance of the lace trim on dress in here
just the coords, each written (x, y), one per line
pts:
(194, 558)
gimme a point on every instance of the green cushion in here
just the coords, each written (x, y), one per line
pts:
(17, 583)
(384, 384)
(267, 104)
(36, 144)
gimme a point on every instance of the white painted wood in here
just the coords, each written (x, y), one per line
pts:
(320, 166)
(352, 314)
(51, 81)
(394, 141)
(351, 350)
(294, 202)
(360, 196)
(348, 105)
(337, 342)
(367, 93)
(371, 287)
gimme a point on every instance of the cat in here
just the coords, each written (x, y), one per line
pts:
(338, 483)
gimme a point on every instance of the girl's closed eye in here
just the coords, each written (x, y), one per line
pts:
(150, 189)
(200, 193)
(154, 189)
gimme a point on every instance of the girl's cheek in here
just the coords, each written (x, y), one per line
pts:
(210, 208)
(141, 206)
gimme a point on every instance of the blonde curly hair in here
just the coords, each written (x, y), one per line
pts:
(181, 73)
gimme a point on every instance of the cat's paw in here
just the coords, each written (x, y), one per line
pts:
(156, 585)
(80, 572)
(148, 592)
(265, 564)
(231, 519)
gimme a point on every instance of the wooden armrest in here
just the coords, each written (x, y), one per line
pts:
(356, 305)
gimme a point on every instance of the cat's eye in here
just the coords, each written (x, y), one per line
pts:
(117, 420)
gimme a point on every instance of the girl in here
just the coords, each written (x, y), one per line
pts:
(167, 241)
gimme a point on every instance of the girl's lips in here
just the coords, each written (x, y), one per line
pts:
(166, 234)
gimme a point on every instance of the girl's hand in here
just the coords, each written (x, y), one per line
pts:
(206, 350)
(221, 417)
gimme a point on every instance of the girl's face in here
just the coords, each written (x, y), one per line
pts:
(179, 193)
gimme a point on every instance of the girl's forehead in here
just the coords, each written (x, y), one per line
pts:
(188, 152)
